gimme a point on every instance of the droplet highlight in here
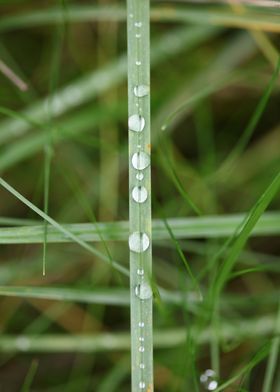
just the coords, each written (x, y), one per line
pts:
(138, 242)
(140, 272)
(138, 62)
(139, 194)
(136, 123)
(142, 385)
(141, 91)
(142, 366)
(139, 176)
(208, 380)
(143, 291)
(140, 160)
(138, 24)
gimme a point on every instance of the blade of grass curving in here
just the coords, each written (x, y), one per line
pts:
(61, 228)
(249, 130)
(140, 221)
(242, 237)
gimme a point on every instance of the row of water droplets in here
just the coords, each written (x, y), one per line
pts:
(139, 241)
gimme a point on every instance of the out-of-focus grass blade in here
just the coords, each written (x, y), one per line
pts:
(244, 329)
(30, 376)
(201, 15)
(273, 356)
(103, 79)
(196, 227)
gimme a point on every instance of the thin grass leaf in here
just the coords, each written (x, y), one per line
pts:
(242, 237)
(62, 229)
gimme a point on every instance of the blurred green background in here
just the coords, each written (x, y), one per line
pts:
(63, 145)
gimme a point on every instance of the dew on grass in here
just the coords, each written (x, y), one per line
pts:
(138, 24)
(138, 62)
(142, 385)
(141, 324)
(208, 380)
(141, 349)
(143, 291)
(139, 194)
(136, 123)
(141, 91)
(140, 160)
(142, 366)
(139, 176)
(138, 242)
(140, 272)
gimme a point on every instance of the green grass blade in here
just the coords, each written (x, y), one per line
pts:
(61, 228)
(140, 221)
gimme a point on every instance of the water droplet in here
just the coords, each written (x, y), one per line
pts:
(138, 35)
(208, 380)
(143, 291)
(142, 366)
(139, 176)
(136, 123)
(138, 62)
(142, 385)
(140, 160)
(131, 15)
(138, 242)
(141, 91)
(138, 24)
(141, 339)
(23, 343)
(141, 324)
(139, 194)
(140, 272)
(141, 349)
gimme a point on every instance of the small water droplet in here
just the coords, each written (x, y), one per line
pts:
(141, 91)
(138, 35)
(136, 123)
(138, 62)
(141, 349)
(131, 15)
(23, 343)
(138, 242)
(139, 194)
(140, 160)
(142, 366)
(140, 272)
(208, 380)
(141, 324)
(138, 24)
(141, 339)
(142, 385)
(139, 176)
(143, 291)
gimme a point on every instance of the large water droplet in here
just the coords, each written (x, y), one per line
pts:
(142, 385)
(136, 123)
(208, 380)
(139, 194)
(143, 291)
(139, 176)
(140, 160)
(138, 242)
(141, 91)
